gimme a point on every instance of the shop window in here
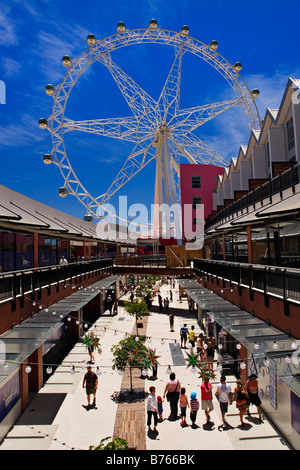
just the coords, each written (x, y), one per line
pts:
(47, 251)
(24, 250)
(62, 249)
(8, 251)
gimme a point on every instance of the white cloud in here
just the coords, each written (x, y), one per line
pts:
(7, 28)
(271, 88)
(10, 67)
(25, 132)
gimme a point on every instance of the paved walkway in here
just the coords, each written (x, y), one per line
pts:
(56, 419)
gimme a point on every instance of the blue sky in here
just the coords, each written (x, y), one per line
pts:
(35, 34)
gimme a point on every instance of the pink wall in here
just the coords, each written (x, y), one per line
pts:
(208, 174)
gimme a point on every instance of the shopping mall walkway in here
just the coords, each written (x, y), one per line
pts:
(56, 418)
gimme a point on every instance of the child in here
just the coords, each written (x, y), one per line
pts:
(194, 408)
(160, 408)
(184, 403)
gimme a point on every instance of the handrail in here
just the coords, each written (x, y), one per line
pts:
(287, 179)
(14, 284)
(270, 280)
(51, 266)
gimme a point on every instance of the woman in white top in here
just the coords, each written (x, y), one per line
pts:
(152, 410)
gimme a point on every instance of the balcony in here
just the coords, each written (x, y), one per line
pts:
(16, 284)
(256, 197)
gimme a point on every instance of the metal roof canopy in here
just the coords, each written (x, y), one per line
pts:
(79, 299)
(19, 343)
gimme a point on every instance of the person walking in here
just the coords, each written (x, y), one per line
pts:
(171, 320)
(152, 410)
(206, 398)
(210, 354)
(183, 335)
(184, 404)
(172, 391)
(199, 344)
(109, 303)
(90, 383)
(160, 303)
(91, 348)
(167, 303)
(241, 396)
(192, 336)
(224, 396)
(252, 390)
(194, 407)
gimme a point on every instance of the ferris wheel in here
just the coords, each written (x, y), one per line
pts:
(159, 130)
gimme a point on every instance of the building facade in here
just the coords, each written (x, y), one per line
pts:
(252, 260)
(197, 185)
(256, 203)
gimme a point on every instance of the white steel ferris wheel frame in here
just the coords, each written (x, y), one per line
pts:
(159, 130)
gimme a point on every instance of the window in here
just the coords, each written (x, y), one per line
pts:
(196, 181)
(196, 201)
(197, 221)
(48, 251)
(290, 133)
(24, 250)
(8, 251)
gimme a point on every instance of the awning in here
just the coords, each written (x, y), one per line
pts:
(286, 206)
(17, 210)
(289, 204)
(262, 340)
(18, 344)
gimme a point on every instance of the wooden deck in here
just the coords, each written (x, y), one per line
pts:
(130, 423)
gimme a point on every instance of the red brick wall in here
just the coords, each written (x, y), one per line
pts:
(274, 313)
(24, 309)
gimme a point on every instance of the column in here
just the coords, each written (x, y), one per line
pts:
(35, 249)
(249, 245)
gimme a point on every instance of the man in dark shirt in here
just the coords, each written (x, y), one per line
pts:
(90, 383)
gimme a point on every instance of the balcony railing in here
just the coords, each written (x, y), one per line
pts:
(152, 261)
(269, 280)
(17, 284)
(285, 180)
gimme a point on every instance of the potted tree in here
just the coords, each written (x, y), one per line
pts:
(137, 308)
(129, 352)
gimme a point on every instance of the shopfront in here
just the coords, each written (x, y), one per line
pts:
(248, 345)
